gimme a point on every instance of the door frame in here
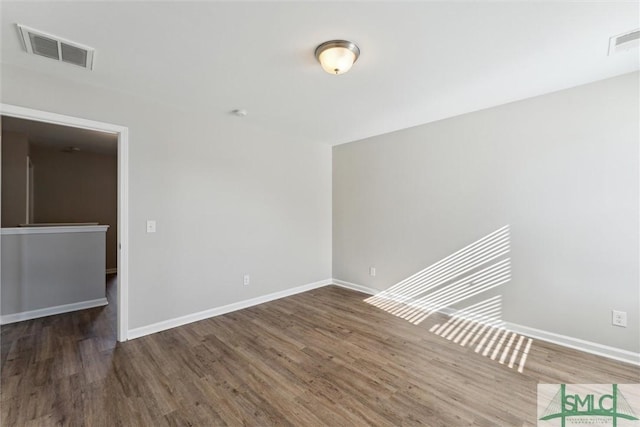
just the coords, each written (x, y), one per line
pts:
(123, 194)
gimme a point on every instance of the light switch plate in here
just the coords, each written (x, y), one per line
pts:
(151, 226)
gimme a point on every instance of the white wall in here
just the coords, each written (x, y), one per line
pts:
(560, 169)
(229, 198)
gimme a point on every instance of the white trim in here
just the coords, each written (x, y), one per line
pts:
(57, 224)
(122, 285)
(576, 343)
(111, 270)
(217, 311)
(355, 287)
(50, 311)
(59, 119)
(28, 192)
(54, 230)
(562, 340)
(123, 193)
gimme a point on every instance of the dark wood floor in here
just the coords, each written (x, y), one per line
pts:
(323, 357)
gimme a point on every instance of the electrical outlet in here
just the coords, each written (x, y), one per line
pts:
(247, 279)
(372, 271)
(619, 318)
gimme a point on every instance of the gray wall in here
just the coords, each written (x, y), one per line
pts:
(15, 149)
(229, 198)
(560, 169)
(77, 187)
(46, 270)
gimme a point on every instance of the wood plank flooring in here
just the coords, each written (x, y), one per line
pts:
(319, 358)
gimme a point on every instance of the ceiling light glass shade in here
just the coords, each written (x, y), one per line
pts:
(337, 56)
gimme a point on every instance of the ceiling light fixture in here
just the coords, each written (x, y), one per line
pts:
(337, 56)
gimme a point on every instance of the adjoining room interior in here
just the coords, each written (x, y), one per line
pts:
(441, 227)
(59, 219)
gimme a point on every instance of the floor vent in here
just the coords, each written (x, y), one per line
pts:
(40, 43)
(624, 42)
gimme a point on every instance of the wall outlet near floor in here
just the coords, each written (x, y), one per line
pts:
(619, 318)
(372, 271)
(247, 279)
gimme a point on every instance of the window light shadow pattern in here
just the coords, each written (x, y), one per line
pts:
(480, 326)
(471, 271)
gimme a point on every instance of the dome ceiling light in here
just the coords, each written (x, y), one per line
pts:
(337, 56)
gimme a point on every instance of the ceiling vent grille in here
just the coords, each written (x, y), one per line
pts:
(40, 43)
(624, 42)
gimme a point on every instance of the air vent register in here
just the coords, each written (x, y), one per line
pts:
(40, 43)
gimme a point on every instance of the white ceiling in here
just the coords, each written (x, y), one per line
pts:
(420, 61)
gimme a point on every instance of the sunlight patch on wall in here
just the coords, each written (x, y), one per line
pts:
(471, 271)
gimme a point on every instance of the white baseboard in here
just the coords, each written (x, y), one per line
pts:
(360, 288)
(563, 340)
(112, 270)
(576, 343)
(217, 311)
(50, 311)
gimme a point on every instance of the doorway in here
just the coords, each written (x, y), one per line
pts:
(123, 185)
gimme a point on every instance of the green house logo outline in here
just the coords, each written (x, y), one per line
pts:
(619, 402)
